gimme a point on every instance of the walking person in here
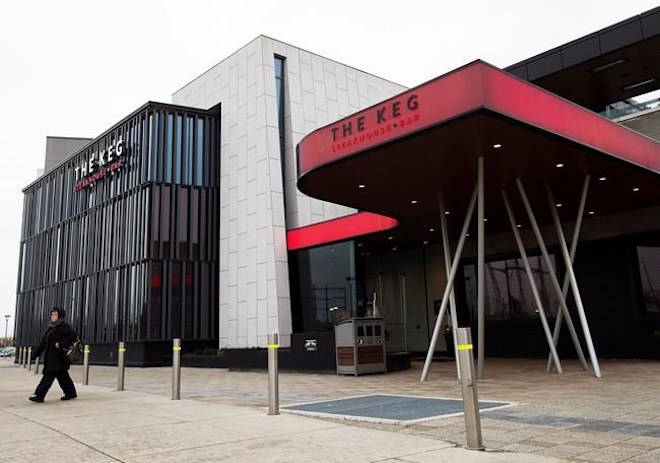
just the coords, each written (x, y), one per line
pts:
(58, 337)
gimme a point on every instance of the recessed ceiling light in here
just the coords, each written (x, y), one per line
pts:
(446, 212)
(431, 229)
(635, 189)
(361, 186)
(497, 145)
(390, 237)
(602, 179)
(609, 65)
(639, 84)
(360, 244)
(559, 164)
(414, 201)
(591, 212)
(426, 242)
(394, 248)
(485, 220)
(559, 205)
(519, 226)
(467, 234)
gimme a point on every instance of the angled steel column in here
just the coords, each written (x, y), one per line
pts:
(481, 272)
(551, 271)
(452, 300)
(574, 285)
(449, 287)
(564, 287)
(532, 283)
(404, 309)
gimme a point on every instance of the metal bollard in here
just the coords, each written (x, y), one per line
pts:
(19, 354)
(273, 386)
(24, 362)
(36, 365)
(85, 380)
(469, 389)
(120, 366)
(29, 358)
(176, 369)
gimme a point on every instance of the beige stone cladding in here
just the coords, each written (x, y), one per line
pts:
(254, 279)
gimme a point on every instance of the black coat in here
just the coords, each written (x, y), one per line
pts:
(55, 357)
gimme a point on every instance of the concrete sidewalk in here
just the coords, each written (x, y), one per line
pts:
(103, 425)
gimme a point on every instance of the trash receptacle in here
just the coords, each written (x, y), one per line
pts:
(360, 346)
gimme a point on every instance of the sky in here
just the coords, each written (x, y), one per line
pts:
(74, 68)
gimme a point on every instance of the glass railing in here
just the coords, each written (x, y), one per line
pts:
(633, 105)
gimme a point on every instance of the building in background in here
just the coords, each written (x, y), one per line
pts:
(60, 148)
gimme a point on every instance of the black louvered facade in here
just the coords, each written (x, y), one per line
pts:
(127, 242)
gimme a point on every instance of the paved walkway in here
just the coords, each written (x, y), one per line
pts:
(573, 416)
(103, 426)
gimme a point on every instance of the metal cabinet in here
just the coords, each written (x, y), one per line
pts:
(360, 346)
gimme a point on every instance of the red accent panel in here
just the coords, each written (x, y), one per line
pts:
(464, 90)
(343, 228)
(527, 103)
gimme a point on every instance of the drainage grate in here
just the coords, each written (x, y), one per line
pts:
(395, 409)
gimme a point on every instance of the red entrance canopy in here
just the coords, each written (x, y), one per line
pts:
(393, 158)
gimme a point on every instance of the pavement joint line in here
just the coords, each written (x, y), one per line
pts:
(203, 446)
(66, 435)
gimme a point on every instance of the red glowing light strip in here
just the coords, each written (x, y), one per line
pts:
(477, 85)
(343, 228)
(522, 101)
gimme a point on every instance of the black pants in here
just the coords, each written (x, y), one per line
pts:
(63, 379)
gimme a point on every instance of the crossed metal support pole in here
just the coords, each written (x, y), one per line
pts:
(481, 271)
(452, 299)
(532, 283)
(574, 286)
(449, 286)
(574, 242)
(555, 282)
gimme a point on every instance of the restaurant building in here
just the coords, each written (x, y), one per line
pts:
(318, 198)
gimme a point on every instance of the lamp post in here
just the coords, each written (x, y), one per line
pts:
(6, 326)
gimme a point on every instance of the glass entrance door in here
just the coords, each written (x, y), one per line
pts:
(386, 298)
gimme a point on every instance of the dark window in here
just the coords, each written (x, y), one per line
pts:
(199, 152)
(169, 140)
(648, 258)
(182, 219)
(176, 286)
(165, 221)
(156, 283)
(188, 312)
(279, 89)
(322, 278)
(189, 150)
(178, 155)
(508, 293)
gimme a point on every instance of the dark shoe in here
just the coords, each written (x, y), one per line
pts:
(35, 398)
(68, 397)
